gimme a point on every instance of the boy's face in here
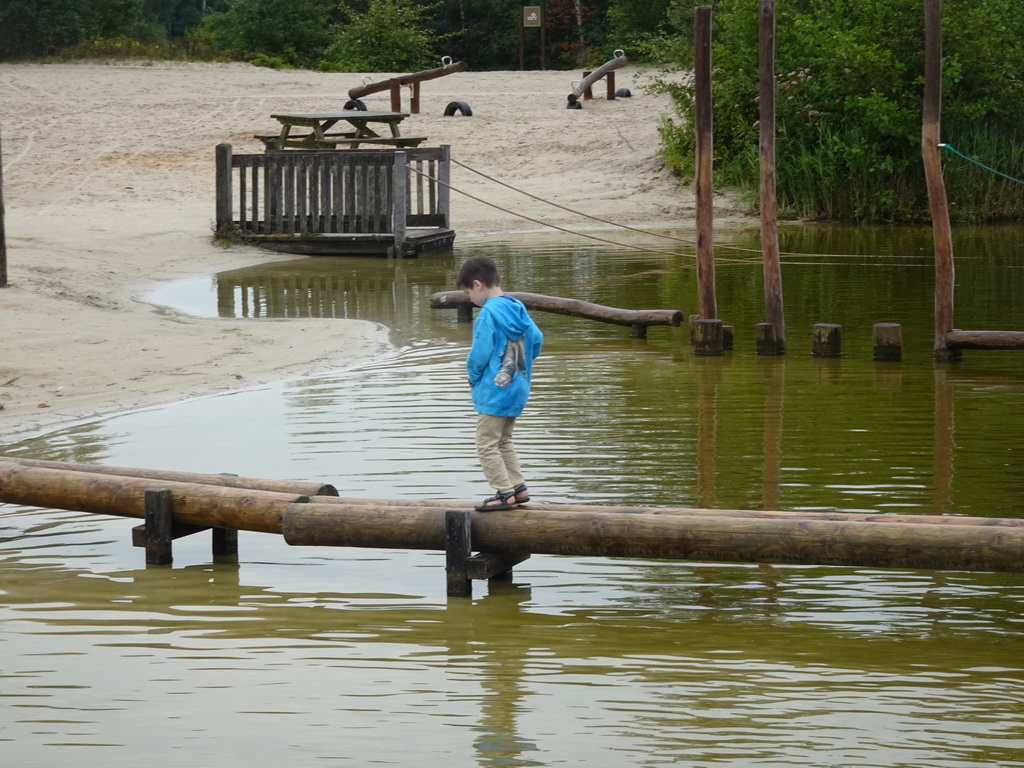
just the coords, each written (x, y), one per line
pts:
(478, 293)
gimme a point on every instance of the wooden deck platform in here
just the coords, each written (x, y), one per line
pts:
(355, 202)
(417, 243)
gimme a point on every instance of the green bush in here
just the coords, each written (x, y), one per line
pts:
(294, 32)
(388, 37)
(849, 87)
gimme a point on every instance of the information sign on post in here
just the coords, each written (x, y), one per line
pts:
(533, 16)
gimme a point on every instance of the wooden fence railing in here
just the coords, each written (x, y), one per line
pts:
(350, 192)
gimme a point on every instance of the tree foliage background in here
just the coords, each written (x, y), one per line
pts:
(849, 75)
(849, 88)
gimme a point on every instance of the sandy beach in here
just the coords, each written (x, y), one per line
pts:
(109, 194)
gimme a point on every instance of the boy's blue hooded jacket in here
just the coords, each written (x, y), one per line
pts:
(501, 319)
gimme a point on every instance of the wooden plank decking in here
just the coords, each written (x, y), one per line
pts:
(375, 202)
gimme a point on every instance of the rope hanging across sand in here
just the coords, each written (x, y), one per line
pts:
(565, 229)
(650, 233)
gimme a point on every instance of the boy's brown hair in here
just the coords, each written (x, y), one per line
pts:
(478, 268)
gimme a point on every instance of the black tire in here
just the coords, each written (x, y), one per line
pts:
(623, 93)
(574, 105)
(458, 106)
(355, 104)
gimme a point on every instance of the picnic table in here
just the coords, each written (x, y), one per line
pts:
(358, 131)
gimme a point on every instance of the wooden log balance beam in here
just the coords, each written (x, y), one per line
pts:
(957, 339)
(506, 538)
(608, 68)
(200, 504)
(636, 319)
(226, 480)
(394, 85)
(712, 535)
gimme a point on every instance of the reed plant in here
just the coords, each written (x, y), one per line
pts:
(978, 193)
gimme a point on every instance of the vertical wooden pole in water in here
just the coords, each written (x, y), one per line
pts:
(3, 233)
(458, 548)
(769, 207)
(399, 202)
(159, 527)
(941, 234)
(223, 186)
(888, 342)
(706, 303)
(444, 181)
(828, 340)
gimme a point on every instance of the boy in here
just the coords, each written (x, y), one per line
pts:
(499, 364)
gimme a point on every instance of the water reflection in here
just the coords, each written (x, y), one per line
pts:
(303, 654)
(662, 662)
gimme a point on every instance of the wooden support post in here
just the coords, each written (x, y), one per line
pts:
(494, 566)
(522, 45)
(767, 339)
(223, 187)
(707, 337)
(159, 527)
(638, 331)
(396, 95)
(444, 185)
(462, 566)
(399, 202)
(414, 98)
(827, 340)
(160, 530)
(458, 549)
(692, 320)
(225, 541)
(888, 342)
(769, 205)
(465, 313)
(706, 300)
(930, 148)
(610, 91)
(728, 337)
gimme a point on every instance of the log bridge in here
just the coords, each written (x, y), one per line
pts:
(175, 504)
(637, 320)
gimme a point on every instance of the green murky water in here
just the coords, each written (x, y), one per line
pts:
(356, 656)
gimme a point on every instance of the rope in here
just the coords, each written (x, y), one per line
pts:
(570, 210)
(598, 218)
(625, 226)
(971, 160)
(570, 231)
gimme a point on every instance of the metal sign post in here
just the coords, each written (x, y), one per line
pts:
(533, 16)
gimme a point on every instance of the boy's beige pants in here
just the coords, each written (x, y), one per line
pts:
(497, 454)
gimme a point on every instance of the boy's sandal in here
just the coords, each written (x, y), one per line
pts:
(499, 502)
(522, 494)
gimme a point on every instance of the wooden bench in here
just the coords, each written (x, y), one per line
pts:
(331, 140)
(266, 138)
(355, 141)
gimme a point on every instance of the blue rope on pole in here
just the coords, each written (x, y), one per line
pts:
(969, 160)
